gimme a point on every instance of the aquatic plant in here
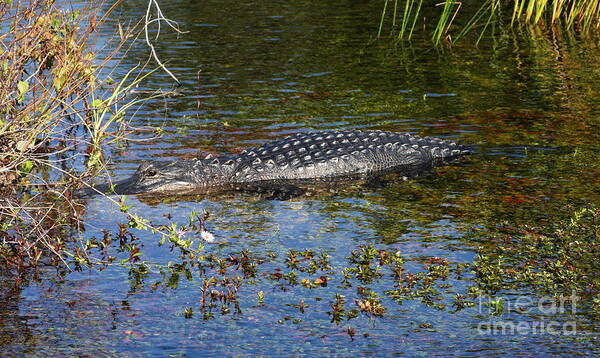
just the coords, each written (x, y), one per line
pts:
(556, 260)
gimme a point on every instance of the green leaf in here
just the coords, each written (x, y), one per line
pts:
(95, 160)
(25, 167)
(22, 86)
(58, 81)
(124, 208)
(97, 103)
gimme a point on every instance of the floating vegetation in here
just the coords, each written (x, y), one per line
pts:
(555, 260)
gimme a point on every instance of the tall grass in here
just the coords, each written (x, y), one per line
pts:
(449, 12)
(583, 15)
(410, 15)
(572, 15)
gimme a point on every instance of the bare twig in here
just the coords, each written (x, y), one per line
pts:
(159, 18)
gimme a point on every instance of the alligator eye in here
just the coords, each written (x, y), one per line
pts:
(151, 172)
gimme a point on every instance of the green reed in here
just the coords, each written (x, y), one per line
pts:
(571, 15)
(449, 12)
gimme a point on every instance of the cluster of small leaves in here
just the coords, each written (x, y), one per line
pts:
(370, 302)
(305, 262)
(222, 279)
(426, 284)
(222, 293)
(338, 310)
(242, 262)
(176, 234)
(367, 261)
(312, 262)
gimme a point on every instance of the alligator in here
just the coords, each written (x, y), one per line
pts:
(290, 164)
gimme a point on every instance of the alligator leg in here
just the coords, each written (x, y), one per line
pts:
(286, 193)
(377, 183)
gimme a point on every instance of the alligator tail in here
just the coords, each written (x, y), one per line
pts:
(441, 148)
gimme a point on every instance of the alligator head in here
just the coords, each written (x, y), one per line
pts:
(154, 177)
(177, 178)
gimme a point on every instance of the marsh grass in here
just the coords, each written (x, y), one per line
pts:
(452, 22)
(105, 113)
(583, 15)
(410, 14)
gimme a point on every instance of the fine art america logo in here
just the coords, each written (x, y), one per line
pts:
(528, 307)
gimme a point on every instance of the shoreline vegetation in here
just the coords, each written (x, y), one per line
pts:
(60, 107)
(47, 96)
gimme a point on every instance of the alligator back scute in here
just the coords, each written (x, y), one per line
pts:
(328, 155)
